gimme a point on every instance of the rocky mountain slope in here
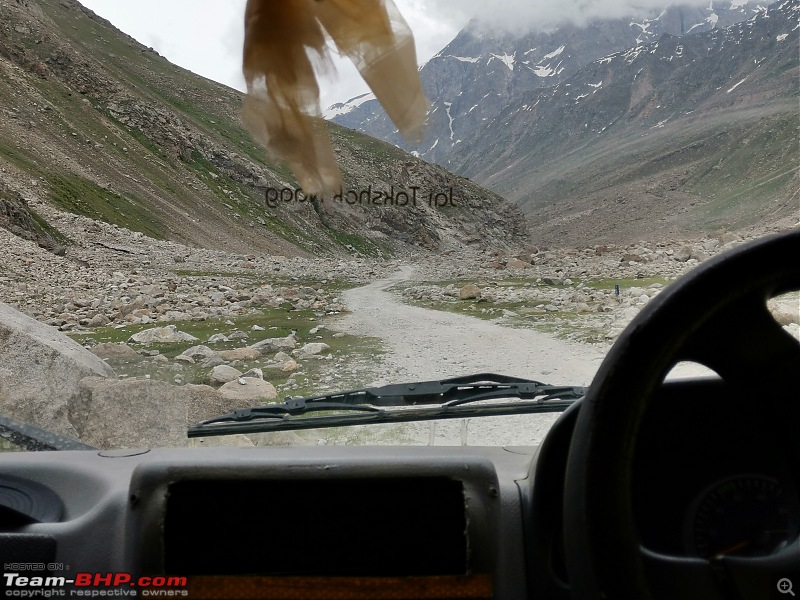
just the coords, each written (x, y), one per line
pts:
(484, 72)
(97, 124)
(686, 133)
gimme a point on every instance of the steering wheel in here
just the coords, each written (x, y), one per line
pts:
(717, 316)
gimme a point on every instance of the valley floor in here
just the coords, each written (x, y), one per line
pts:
(548, 314)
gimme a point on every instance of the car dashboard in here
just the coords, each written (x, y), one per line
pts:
(715, 471)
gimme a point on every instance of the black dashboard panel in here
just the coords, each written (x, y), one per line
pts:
(378, 527)
(285, 512)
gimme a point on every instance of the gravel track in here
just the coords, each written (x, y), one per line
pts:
(426, 344)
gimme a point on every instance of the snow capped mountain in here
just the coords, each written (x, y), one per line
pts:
(673, 133)
(480, 74)
(686, 117)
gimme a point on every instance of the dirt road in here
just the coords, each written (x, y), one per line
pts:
(431, 344)
(424, 344)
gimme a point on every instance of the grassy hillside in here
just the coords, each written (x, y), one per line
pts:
(100, 125)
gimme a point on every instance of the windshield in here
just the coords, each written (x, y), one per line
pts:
(315, 202)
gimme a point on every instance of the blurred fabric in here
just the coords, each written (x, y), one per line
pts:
(286, 47)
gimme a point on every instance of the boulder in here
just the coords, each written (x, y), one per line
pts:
(159, 335)
(132, 413)
(203, 355)
(252, 390)
(313, 349)
(204, 402)
(143, 413)
(683, 254)
(40, 371)
(254, 374)
(221, 441)
(239, 354)
(290, 366)
(277, 438)
(272, 345)
(115, 352)
(469, 292)
(224, 374)
(515, 263)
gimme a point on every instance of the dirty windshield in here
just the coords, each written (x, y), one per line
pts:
(269, 215)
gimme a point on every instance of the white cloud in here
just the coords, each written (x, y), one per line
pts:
(205, 36)
(526, 15)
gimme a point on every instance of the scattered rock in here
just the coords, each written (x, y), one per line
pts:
(515, 263)
(683, 254)
(290, 366)
(198, 354)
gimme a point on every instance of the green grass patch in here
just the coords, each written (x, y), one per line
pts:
(624, 283)
(15, 156)
(360, 354)
(278, 322)
(80, 196)
(357, 244)
(563, 324)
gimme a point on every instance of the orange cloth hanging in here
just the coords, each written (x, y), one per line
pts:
(285, 45)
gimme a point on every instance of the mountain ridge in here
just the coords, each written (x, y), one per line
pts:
(679, 119)
(605, 142)
(103, 126)
(494, 68)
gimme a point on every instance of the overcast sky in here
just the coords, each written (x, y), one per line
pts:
(205, 36)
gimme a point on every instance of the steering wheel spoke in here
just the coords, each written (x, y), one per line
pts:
(717, 316)
(742, 339)
(681, 577)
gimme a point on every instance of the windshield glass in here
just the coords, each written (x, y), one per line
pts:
(314, 202)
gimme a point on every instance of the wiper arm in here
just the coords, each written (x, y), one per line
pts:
(426, 400)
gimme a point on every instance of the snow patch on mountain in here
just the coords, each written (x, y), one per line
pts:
(554, 53)
(345, 107)
(507, 60)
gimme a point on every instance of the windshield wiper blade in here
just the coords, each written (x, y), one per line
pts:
(35, 439)
(396, 403)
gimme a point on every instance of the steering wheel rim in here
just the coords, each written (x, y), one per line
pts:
(689, 321)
